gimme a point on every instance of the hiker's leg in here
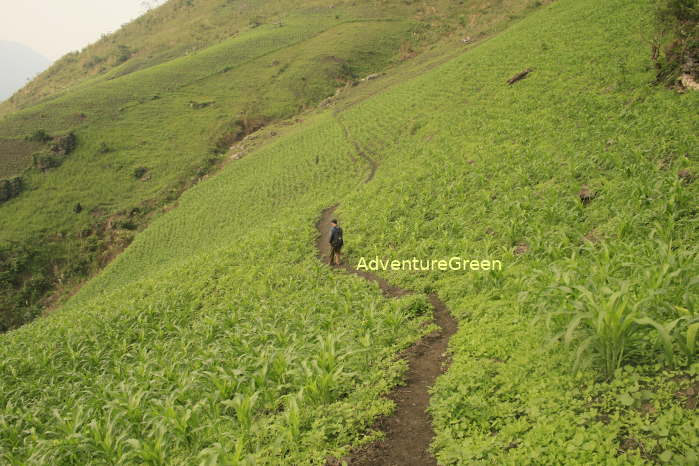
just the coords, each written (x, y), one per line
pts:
(332, 255)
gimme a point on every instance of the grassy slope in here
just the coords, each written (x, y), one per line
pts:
(169, 137)
(141, 116)
(146, 121)
(237, 254)
(182, 27)
(472, 167)
(175, 29)
(13, 156)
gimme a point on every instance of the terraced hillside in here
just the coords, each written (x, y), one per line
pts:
(180, 28)
(218, 337)
(146, 131)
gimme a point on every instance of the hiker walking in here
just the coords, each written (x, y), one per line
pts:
(335, 242)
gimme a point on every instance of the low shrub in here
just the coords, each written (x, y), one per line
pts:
(39, 135)
(10, 188)
(46, 161)
(64, 145)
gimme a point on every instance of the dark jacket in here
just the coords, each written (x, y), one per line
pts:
(336, 237)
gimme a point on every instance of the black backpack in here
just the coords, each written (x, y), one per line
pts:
(338, 237)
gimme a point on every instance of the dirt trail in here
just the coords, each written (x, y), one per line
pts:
(408, 431)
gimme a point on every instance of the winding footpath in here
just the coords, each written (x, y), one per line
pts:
(408, 431)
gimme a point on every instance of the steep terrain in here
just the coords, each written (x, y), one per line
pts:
(147, 130)
(218, 337)
(181, 28)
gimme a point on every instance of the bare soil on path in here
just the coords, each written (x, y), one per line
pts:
(408, 431)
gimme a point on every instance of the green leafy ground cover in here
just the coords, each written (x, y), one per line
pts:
(472, 167)
(258, 353)
(217, 335)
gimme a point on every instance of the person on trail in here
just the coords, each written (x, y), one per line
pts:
(336, 242)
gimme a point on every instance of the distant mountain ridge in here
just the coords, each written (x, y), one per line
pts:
(18, 63)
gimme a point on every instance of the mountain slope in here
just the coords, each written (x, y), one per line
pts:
(217, 336)
(180, 28)
(144, 134)
(19, 64)
(498, 173)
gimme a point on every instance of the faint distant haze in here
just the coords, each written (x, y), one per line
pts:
(56, 27)
(34, 33)
(18, 63)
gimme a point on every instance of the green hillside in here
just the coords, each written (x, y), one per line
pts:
(147, 131)
(217, 337)
(178, 29)
(182, 28)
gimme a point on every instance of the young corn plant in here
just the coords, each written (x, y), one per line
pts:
(106, 441)
(606, 329)
(151, 450)
(244, 407)
(685, 332)
(292, 419)
(12, 425)
(224, 454)
(681, 332)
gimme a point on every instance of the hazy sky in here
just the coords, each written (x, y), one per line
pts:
(56, 27)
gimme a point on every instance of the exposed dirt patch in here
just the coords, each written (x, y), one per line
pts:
(686, 176)
(593, 236)
(586, 195)
(690, 396)
(521, 248)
